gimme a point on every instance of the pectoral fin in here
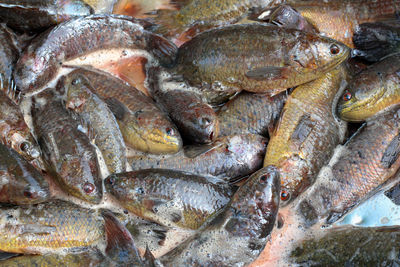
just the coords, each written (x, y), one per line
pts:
(267, 73)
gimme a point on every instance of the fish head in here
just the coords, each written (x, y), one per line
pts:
(77, 91)
(25, 145)
(360, 96)
(32, 193)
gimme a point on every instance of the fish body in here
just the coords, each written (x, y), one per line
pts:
(41, 61)
(306, 135)
(169, 197)
(143, 125)
(96, 113)
(48, 227)
(20, 182)
(371, 90)
(250, 113)
(224, 61)
(228, 158)
(9, 53)
(236, 235)
(38, 15)
(68, 153)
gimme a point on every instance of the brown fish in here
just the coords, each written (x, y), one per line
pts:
(228, 158)
(41, 61)
(307, 134)
(257, 58)
(68, 153)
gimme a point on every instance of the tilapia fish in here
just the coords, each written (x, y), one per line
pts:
(368, 160)
(236, 235)
(306, 135)
(257, 58)
(196, 120)
(228, 158)
(35, 15)
(377, 40)
(50, 226)
(371, 91)
(72, 39)
(251, 113)
(143, 125)
(169, 197)
(338, 19)
(20, 182)
(68, 153)
(94, 111)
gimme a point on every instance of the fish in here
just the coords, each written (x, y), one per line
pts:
(368, 159)
(307, 134)
(195, 118)
(376, 40)
(68, 153)
(143, 125)
(242, 227)
(44, 57)
(107, 136)
(20, 182)
(197, 16)
(36, 16)
(222, 62)
(339, 19)
(251, 113)
(9, 53)
(371, 91)
(228, 158)
(170, 198)
(49, 227)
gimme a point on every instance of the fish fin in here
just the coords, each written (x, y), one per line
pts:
(149, 259)
(303, 129)
(120, 245)
(152, 204)
(197, 150)
(36, 229)
(117, 108)
(391, 153)
(267, 73)
(7, 255)
(394, 194)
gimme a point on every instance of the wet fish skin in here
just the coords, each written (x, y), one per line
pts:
(242, 227)
(169, 197)
(49, 227)
(20, 182)
(102, 122)
(34, 15)
(251, 113)
(44, 57)
(369, 159)
(227, 158)
(143, 125)
(377, 40)
(222, 62)
(306, 135)
(371, 91)
(68, 153)
(9, 55)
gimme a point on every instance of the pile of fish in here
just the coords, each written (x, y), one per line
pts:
(199, 133)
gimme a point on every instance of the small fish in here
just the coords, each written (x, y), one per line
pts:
(143, 125)
(237, 234)
(33, 15)
(228, 158)
(371, 91)
(377, 40)
(43, 59)
(307, 134)
(170, 198)
(195, 119)
(368, 160)
(48, 227)
(94, 111)
(223, 61)
(20, 182)
(68, 153)
(251, 113)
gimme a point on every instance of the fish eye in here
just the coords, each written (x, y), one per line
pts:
(88, 187)
(264, 178)
(334, 49)
(347, 96)
(111, 180)
(28, 194)
(140, 191)
(285, 196)
(76, 81)
(169, 131)
(24, 146)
